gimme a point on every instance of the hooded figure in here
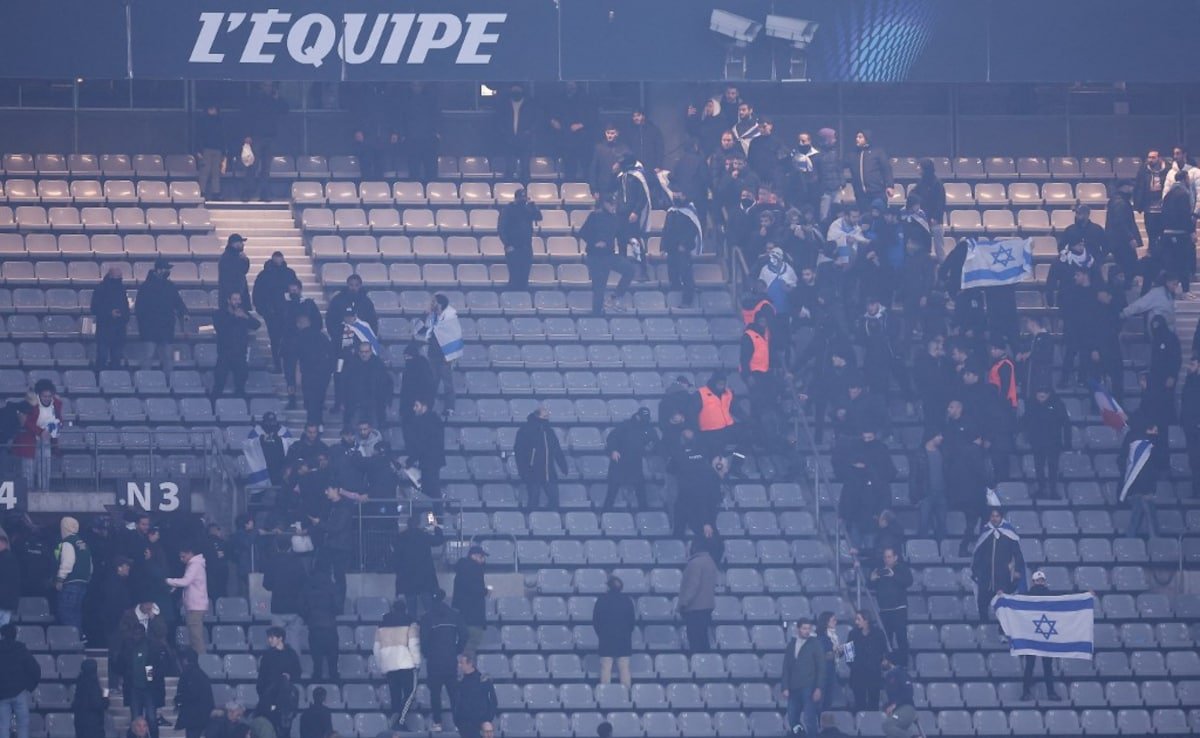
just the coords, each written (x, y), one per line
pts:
(997, 564)
(193, 695)
(89, 703)
(627, 446)
(110, 308)
(539, 458)
(270, 300)
(232, 268)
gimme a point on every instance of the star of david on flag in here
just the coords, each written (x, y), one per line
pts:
(993, 263)
(1053, 626)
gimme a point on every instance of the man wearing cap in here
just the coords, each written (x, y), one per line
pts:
(110, 309)
(232, 268)
(233, 326)
(627, 446)
(539, 458)
(1038, 588)
(470, 595)
(271, 288)
(158, 306)
(516, 233)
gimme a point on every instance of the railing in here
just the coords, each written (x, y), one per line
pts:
(149, 451)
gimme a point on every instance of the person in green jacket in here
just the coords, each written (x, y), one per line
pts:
(803, 675)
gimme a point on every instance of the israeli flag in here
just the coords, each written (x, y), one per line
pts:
(995, 263)
(257, 476)
(362, 330)
(1139, 454)
(1051, 626)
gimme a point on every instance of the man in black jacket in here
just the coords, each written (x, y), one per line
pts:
(690, 176)
(317, 720)
(539, 458)
(417, 382)
(682, 238)
(1038, 588)
(334, 534)
(412, 560)
(476, 703)
(422, 131)
(296, 306)
(998, 564)
(1124, 237)
(233, 326)
(1047, 429)
(210, 142)
(314, 358)
(866, 473)
(891, 583)
(572, 120)
(425, 442)
(285, 578)
(830, 171)
(601, 234)
(470, 595)
(803, 674)
(764, 154)
(443, 636)
(516, 233)
(607, 154)
(19, 676)
(157, 307)
(368, 388)
(870, 171)
(10, 581)
(321, 609)
(645, 140)
(278, 674)
(627, 446)
(110, 308)
(232, 268)
(350, 298)
(700, 489)
(1084, 231)
(614, 619)
(1148, 190)
(270, 301)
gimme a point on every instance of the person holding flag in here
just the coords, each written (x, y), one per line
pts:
(444, 334)
(1142, 460)
(998, 566)
(354, 331)
(1038, 588)
(1049, 626)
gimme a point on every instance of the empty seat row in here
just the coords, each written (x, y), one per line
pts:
(79, 246)
(448, 220)
(328, 247)
(56, 275)
(181, 166)
(438, 194)
(93, 192)
(103, 219)
(415, 303)
(569, 276)
(1025, 195)
(1003, 222)
(1025, 167)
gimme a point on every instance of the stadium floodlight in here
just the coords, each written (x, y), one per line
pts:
(796, 31)
(741, 30)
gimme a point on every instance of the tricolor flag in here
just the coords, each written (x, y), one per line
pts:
(1051, 626)
(1139, 454)
(996, 263)
(1110, 411)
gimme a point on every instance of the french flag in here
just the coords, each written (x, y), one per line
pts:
(1110, 412)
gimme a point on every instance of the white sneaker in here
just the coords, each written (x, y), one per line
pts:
(435, 728)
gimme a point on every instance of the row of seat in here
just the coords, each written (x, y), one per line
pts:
(175, 166)
(564, 276)
(484, 221)
(1037, 168)
(1025, 195)
(1003, 223)
(84, 247)
(105, 220)
(329, 247)
(439, 194)
(94, 192)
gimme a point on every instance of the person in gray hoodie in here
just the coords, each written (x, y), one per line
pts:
(697, 595)
(1158, 301)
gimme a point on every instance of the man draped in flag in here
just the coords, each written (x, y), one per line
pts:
(355, 331)
(998, 565)
(1141, 462)
(1111, 412)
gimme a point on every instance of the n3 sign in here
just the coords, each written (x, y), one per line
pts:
(151, 497)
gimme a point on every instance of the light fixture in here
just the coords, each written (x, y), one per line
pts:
(485, 91)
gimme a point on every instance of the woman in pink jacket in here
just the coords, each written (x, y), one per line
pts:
(195, 594)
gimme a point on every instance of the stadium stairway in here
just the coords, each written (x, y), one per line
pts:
(118, 718)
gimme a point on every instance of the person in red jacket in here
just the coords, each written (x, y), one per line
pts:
(38, 437)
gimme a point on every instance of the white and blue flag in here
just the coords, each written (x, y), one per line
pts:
(362, 331)
(1139, 454)
(995, 263)
(257, 475)
(1051, 626)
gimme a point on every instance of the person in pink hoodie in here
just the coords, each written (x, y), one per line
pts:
(195, 594)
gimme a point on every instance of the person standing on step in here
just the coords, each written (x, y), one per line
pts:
(425, 442)
(321, 609)
(627, 446)
(891, 583)
(233, 326)
(74, 573)
(470, 594)
(314, 359)
(264, 111)
(232, 268)
(443, 332)
(193, 696)
(614, 618)
(296, 305)
(803, 674)
(271, 288)
(110, 309)
(601, 234)
(19, 676)
(368, 387)
(278, 674)
(317, 720)
(697, 595)
(412, 560)
(539, 458)
(194, 584)
(516, 233)
(443, 637)
(1037, 588)
(899, 713)
(397, 652)
(157, 307)
(476, 699)
(88, 702)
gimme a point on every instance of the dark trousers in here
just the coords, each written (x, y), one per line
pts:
(1074, 358)
(289, 363)
(275, 328)
(1154, 229)
(1045, 466)
(618, 478)
(314, 390)
(431, 486)
(538, 488)
(258, 177)
(230, 365)
(402, 684)
(895, 627)
(338, 562)
(599, 266)
(682, 275)
(1047, 672)
(323, 645)
(866, 691)
(1180, 252)
(520, 261)
(422, 156)
(697, 623)
(110, 347)
(470, 730)
(141, 704)
(1193, 453)
(436, 683)
(210, 173)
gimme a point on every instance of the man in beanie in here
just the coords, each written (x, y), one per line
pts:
(74, 573)
(627, 446)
